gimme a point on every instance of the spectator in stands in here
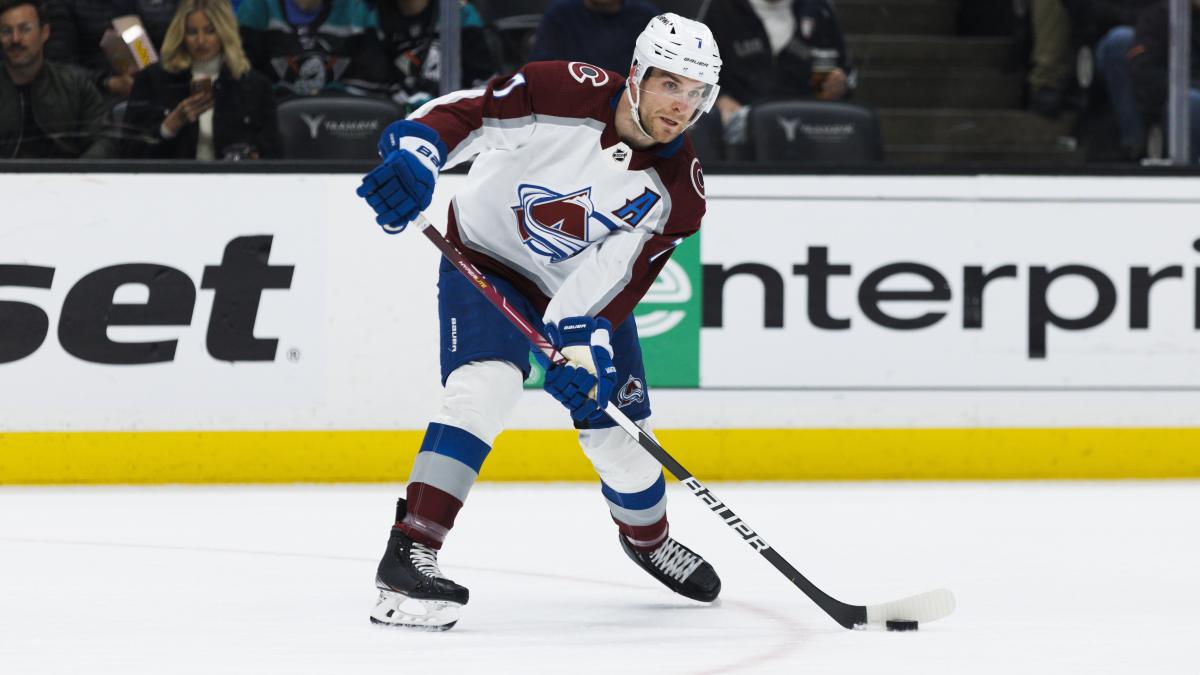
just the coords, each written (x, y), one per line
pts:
(156, 16)
(1148, 60)
(311, 47)
(777, 49)
(1058, 26)
(202, 101)
(47, 110)
(599, 32)
(409, 33)
(1109, 24)
(80, 24)
(1051, 59)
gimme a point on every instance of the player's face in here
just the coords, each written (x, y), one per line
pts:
(200, 37)
(668, 102)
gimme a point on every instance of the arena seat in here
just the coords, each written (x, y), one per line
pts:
(813, 132)
(334, 127)
(706, 137)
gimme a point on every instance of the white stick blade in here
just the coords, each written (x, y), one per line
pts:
(922, 608)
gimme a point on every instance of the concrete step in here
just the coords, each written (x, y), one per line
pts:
(893, 51)
(972, 127)
(939, 88)
(1018, 155)
(920, 17)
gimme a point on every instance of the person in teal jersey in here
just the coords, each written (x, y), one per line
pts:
(314, 47)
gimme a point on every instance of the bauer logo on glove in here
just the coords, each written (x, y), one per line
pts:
(585, 383)
(402, 185)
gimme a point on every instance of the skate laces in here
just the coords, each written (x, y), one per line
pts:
(675, 561)
(425, 560)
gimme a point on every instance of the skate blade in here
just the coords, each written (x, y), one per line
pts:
(396, 609)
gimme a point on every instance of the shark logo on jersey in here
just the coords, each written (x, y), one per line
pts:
(559, 225)
(633, 391)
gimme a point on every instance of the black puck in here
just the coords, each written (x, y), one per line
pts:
(898, 624)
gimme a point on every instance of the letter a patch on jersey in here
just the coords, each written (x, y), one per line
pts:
(636, 209)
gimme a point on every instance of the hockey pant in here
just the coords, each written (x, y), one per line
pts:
(479, 400)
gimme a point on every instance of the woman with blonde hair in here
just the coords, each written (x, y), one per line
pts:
(202, 100)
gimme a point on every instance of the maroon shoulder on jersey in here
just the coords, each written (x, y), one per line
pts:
(684, 180)
(683, 177)
(556, 88)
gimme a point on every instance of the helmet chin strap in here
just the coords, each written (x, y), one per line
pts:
(632, 84)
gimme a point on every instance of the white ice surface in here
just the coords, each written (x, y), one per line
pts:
(1051, 578)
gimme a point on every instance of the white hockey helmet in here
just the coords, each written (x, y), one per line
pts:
(681, 46)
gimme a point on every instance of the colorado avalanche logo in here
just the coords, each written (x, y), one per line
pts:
(633, 391)
(586, 72)
(558, 225)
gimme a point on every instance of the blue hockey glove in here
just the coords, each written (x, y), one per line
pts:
(585, 342)
(402, 185)
(569, 385)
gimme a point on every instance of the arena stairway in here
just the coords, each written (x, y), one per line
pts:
(941, 97)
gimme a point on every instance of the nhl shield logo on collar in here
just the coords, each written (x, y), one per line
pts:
(621, 153)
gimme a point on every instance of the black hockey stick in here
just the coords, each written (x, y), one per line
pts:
(924, 607)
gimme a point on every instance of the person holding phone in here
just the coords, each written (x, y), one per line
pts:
(202, 101)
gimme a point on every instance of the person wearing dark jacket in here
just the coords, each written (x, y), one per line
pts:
(1148, 61)
(202, 101)
(599, 32)
(47, 110)
(778, 49)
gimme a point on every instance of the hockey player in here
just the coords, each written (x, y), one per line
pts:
(582, 184)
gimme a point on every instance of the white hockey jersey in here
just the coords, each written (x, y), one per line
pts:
(555, 203)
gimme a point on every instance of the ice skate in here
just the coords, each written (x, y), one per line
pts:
(412, 590)
(678, 568)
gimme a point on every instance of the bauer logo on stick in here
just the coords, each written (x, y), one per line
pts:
(725, 513)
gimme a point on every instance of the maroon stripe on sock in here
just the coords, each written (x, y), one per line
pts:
(431, 514)
(644, 538)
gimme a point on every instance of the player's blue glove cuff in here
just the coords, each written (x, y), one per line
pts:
(578, 330)
(402, 186)
(391, 138)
